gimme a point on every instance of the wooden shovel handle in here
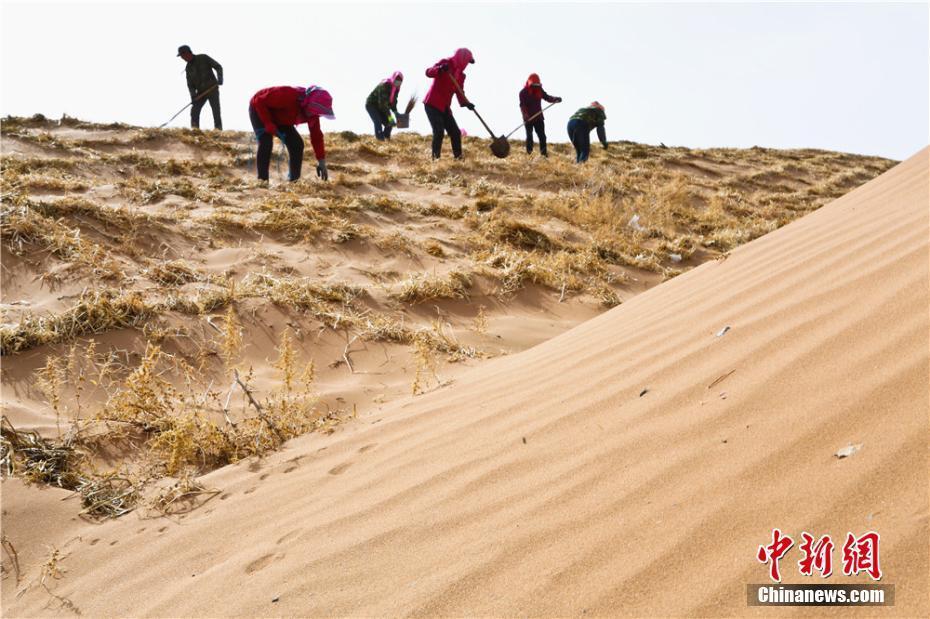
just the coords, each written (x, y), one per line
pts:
(462, 94)
(527, 121)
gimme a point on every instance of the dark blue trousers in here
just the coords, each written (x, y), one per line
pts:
(379, 118)
(580, 135)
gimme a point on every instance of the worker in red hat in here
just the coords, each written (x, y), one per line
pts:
(276, 111)
(531, 97)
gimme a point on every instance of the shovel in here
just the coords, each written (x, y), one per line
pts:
(499, 146)
(197, 98)
(530, 119)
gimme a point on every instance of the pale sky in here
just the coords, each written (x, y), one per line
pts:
(847, 77)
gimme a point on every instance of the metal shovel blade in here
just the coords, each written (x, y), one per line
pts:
(500, 147)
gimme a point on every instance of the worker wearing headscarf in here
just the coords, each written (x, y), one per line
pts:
(381, 105)
(448, 78)
(531, 98)
(276, 111)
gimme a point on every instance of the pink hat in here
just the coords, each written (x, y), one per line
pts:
(397, 75)
(317, 102)
(462, 58)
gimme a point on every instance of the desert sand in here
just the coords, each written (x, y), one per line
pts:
(630, 465)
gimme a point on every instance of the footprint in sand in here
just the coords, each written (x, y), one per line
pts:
(225, 496)
(288, 536)
(262, 562)
(264, 476)
(250, 491)
(362, 450)
(93, 542)
(163, 529)
(293, 464)
(339, 469)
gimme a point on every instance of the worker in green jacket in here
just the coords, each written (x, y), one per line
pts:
(579, 129)
(381, 105)
(203, 85)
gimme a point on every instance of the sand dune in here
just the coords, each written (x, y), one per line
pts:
(597, 473)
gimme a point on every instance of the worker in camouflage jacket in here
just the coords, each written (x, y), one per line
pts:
(579, 129)
(381, 105)
(203, 84)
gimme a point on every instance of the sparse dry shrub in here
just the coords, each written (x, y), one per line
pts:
(516, 234)
(50, 379)
(287, 215)
(420, 288)
(433, 248)
(382, 204)
(180, 497)
(95, 312)
(483, 187)
(301, 293)
(173, 273)
(396, 242)
(59, 183)
(39, 460)
(382, 328)
(484, 205)
(480, 323)
(231, 345)
(606, 295)
(144, 191)
(23, 225)
(514, 269)
(425, 365)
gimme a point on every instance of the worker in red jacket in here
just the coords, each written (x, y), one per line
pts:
(448, 78)
(276, 111)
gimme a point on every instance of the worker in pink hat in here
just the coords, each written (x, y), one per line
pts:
(448, 79)
(381, 105)
(276, 111)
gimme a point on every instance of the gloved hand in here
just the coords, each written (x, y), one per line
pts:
(558, 100)
(391, 120)
(271, 129)
(321, 170)
(443, 67)
(470, 105)
(219, 82)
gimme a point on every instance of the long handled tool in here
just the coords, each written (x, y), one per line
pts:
(197, 98)
(530, 119)
(499, 146)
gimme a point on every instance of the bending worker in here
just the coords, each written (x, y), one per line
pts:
(579, 129)
(276, 111)
(381, 105)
